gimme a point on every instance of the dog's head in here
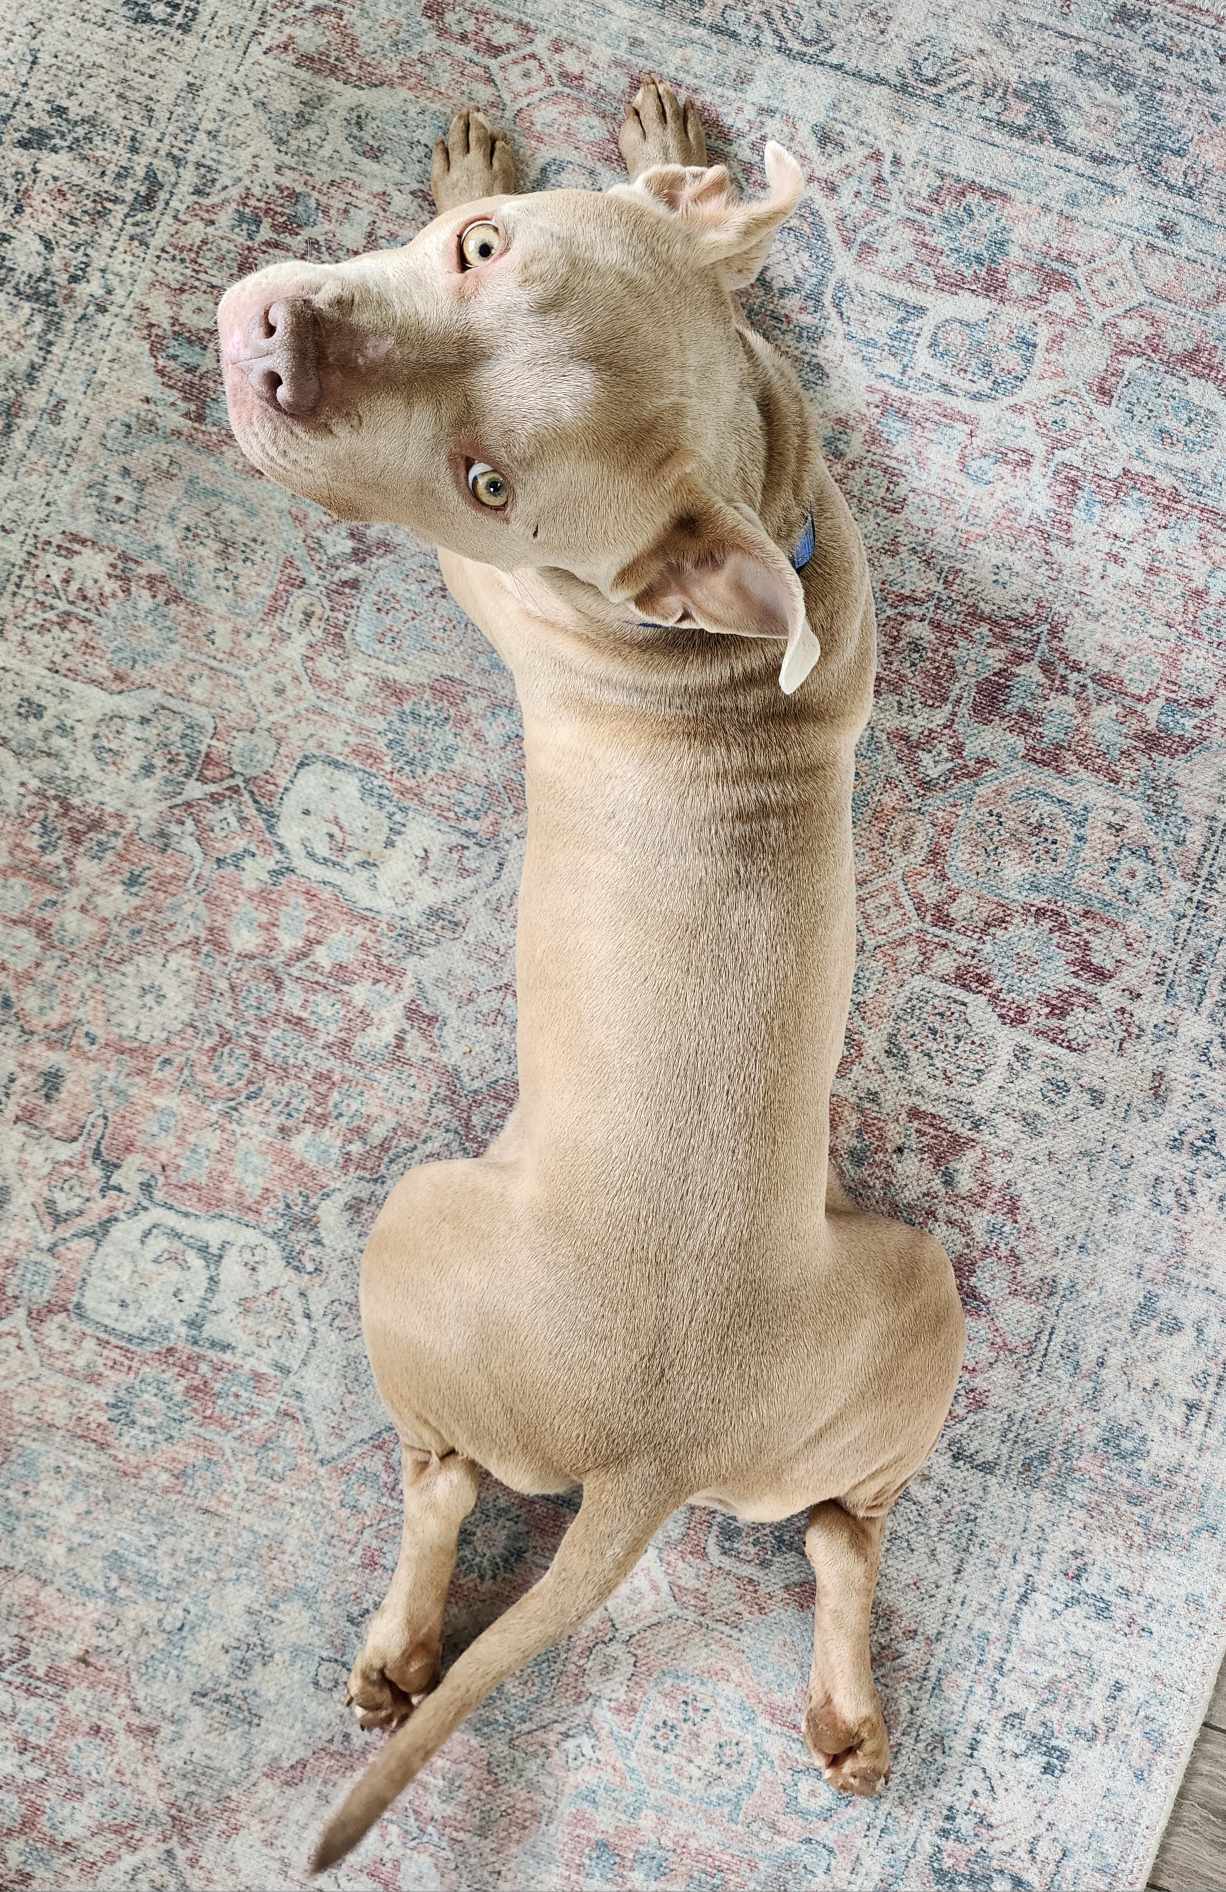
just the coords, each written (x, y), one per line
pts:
(550, 380)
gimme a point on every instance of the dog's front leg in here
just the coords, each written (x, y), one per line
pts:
(470, 162)
(400, 1658)
(844, 1725)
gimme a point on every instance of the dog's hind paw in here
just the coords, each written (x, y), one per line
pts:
(660, 128)
(471, 161)
(376, 1702)
(854, 1755)
(385, 1686)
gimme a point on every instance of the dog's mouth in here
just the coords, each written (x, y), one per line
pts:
(281, 447)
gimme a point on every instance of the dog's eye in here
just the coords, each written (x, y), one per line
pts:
(487, 485)
(480, 243)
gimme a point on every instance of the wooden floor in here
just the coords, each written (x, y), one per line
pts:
(1192, 1856)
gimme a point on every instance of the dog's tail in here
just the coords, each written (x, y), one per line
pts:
(605, 1540)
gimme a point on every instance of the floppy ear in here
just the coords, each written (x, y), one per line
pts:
(716, 565)
(734, 237)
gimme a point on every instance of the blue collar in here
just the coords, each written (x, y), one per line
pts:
(802, 552)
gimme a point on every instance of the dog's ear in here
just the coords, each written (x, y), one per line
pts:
(716, 565)
(734, 237)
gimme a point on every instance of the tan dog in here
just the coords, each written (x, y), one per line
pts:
(652, 1283)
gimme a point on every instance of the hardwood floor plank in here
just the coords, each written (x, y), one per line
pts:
(1192, 1856)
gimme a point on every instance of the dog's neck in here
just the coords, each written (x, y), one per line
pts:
(685, 939)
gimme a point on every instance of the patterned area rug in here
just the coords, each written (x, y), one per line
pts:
(261, 807)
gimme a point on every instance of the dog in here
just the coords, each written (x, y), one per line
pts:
(652, 1284)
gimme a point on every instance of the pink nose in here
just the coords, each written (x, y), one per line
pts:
(278, 351)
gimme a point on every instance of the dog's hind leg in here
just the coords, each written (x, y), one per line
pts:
(469, 162)
(917, 1330)
(620, 1510)
(844, 1726)
(400, 1658)
(660, 128)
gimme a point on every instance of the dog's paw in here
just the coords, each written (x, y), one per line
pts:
(470, 162)
(854, 1754)
(660, 128)
(374, 1698)
(384, 1686)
